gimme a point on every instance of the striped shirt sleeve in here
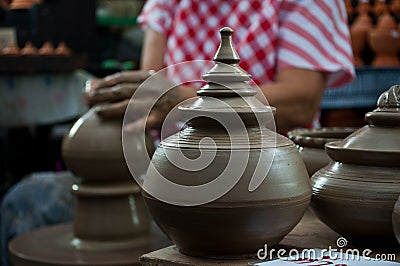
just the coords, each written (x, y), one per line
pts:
(315, 35)
(158, 15)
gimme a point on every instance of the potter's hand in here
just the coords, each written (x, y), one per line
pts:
(113, 94)
(117, 87)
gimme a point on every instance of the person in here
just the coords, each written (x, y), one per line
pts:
(293, 50)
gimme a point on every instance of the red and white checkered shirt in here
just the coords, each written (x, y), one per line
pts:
(269, 34)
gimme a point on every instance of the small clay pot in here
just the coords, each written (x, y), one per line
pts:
(29, 49)
(311, 144)
(380, 7)
(359, 34)
(63, 50)
(396, 220)
(12, 49)
(355, 194)
(46, 49)
(395, 7)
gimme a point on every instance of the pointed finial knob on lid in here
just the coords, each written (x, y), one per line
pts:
(226, 52)
(390, 98)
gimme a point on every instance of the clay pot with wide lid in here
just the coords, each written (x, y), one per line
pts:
(261, 208)
(108, 195)
(356, 192)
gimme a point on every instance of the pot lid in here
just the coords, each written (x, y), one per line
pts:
(228, 98)
(227, 87)
(376, 144)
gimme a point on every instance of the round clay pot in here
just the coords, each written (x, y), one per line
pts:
(311, 144)
(62, 49)
(395, 7)
(93, 151)
(359, 33)
(46, 49)
(29, 49)
(380, 7)
(237, 223)
(363, 7)
(355, 194)
(396, 220)
(12, 49)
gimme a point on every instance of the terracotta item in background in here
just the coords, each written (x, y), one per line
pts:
(29, 49)
(363, 7)
(239, 222)
(46, 49)
(380, 7)
(395, 8)
(22, 4)
(349, 8)
(355, 194)
(311, 144)
(359, 33)
(384, 40)
(12, 49)
(63, 50)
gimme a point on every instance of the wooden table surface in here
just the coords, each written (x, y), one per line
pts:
(309, 233)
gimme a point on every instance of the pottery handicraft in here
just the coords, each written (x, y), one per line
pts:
(250, 214)
(359, 36)
(355, 194)
(311, 144)
(384, 41)
(93, 151)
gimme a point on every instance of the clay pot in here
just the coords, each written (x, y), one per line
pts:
(396, 220)
(22, 4)
(46, 49)
(363, 7)
(235, 224)
(359, 33)
(63, 50)
(355, 194)
(108, 195)
(311, 144)
(349, 8)
(395, 7)
(380, 7)
(29, 49)
(384, 40)
(12, 49)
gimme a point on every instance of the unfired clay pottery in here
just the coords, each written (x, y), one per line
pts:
(355, 194)
(240, 222)
(111, 225)
(359, 33)
(311, 144)
(93, 150)
(384, 40)
(396, 220)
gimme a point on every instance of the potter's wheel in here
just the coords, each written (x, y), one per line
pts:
(56, 245)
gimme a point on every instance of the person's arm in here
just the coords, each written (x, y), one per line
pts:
(153, 51)
(296, 94)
